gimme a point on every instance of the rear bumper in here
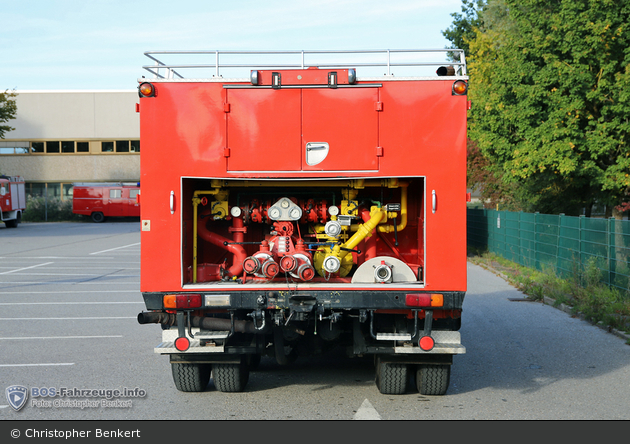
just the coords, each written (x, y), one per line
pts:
(339, 300)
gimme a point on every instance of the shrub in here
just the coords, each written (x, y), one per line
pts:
(55, 210)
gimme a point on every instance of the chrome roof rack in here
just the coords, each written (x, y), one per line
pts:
(215, 63)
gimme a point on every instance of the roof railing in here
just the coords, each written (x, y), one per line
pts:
(225, 60)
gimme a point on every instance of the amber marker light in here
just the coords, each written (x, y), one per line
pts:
(460, 88)
(146, 90)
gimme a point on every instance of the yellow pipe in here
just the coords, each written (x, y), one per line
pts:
(365, 229)
(196, 201)
(313, 183)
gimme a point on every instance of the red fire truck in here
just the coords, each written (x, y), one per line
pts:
(303, 205)
(12, 200)
(101, 200)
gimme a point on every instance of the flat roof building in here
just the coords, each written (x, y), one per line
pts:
(62, 137)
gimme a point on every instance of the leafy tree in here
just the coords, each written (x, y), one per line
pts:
(550, 86)
(463, 28)
(8, 109)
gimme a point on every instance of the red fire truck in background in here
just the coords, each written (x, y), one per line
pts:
(302, 206)
(12, 200)
(102, 200)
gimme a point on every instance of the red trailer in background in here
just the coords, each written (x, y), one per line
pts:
(102, 200)
(12, 200)
(304, 207)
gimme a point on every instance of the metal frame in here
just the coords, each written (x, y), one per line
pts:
(383, 59)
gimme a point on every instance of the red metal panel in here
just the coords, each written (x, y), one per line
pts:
(344, 118)
(423, 130)
(264, 130)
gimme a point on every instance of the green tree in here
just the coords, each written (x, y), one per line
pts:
(8, 109)
(550, 86)
(464, 25)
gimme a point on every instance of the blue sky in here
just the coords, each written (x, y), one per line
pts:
(99, 44)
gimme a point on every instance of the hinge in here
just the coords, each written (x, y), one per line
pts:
(137, 107)
(379, 151)
(226, 152)
(226, 107)
(378, 106)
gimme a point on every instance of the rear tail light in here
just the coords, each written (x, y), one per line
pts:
(424, 300)
(182, 300)
(182, 344)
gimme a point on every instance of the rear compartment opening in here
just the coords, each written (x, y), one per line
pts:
(328, 231)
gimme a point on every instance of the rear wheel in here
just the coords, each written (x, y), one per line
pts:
(391, 378)
(230, 377)
(98, 217)
(191, 377)
(13, 223)
(433, 379)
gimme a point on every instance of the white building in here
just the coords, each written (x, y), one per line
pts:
(62, 137)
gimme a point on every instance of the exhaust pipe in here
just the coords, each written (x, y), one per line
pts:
(203, 322)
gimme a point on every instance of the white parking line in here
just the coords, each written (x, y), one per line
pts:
(26, 268)
(117, 248)
(57, 337)
(36, 365)
(68, 319)
(66, 292)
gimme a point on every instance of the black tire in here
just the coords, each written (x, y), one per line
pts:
(98, 217)
(391, 378)
(433, 380)
(191, 377)
(230, 377)
(13, 223)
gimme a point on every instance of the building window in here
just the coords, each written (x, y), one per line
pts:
(83, 147)
(67, 147)
(14, 147)
(52, 147)
(37, 147)
(121, 146)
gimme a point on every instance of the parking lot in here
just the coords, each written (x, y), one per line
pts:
(70, 295)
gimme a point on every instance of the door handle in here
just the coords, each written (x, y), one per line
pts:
(172, 202)
(434, 201)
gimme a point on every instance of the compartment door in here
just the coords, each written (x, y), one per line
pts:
(340, 129)
(263, 130)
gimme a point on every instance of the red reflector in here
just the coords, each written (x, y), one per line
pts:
(182, 344)
(418, 300)
(182, 301)
(426, 343)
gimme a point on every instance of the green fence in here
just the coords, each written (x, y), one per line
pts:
(564, 243)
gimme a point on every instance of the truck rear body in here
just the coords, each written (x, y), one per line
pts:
(102, 200)
(300, 209)
(12, 200)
